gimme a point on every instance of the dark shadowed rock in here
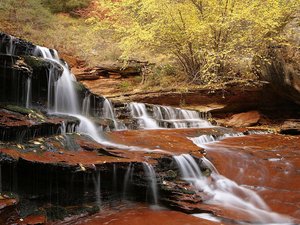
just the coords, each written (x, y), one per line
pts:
(291, 127)
(14, 46)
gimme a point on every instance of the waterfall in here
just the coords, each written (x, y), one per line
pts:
(151, 177)
(128, 174)
(115, 180)
(11, 47)
(168, 117)
(28, 92)
(52, 85)
(180, 118)
(66, 100)
(139, 111)
(97, 185)
(108, 112)
(86, 104)
(225, 192)
(205, 139)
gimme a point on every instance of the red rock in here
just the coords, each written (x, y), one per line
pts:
(33, 220)
(244, 119)
(8, 210)
(143, 216)
(267, 163)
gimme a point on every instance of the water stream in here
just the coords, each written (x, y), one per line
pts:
(28, 93)
(227, 193)
(151, 177)
(63, 100)
(168, 117)
(223, 191)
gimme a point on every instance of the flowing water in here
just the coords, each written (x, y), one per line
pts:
(97, 185)
(204, 139)
(86, 105)
(180, 118)
(151, 177)
(127, 177)
(28, 93)
(227, 193)
(139, 111)
(168, 117)
(108, 112)
(63, 99)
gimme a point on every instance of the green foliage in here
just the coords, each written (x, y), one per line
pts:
(31, 20)
(65, 5)
(202, 35)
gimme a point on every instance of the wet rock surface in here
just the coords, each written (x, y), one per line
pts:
(61, 169)
(141, 215)
(271, 163)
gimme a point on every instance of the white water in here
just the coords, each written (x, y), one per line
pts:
(139, 111)
(28, 93)
(11, 47)
(151, 176)
(168, 117)
(180, 118)
(227, 193)
(108, 112)
(128, 174)
(97, 185)
(204, 139)
(86, 105)
(66, 100)
(52, 85)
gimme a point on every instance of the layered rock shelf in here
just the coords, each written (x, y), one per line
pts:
(71, 156)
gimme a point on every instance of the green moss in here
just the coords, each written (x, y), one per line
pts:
(18, 109)
(79, 87)
(35, 63)
(56, 213)
(171, 175)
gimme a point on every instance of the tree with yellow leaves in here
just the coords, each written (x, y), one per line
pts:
(203, 35)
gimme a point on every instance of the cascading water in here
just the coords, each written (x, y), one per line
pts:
(86, 104)
(65, 98)
(128, 174)
(28, 92)
(139, 111)
(227, 193)
(168, 117)
(108, 112)
(97, 185)
(180, 118)
(204, 139)
(11, 47)
(151, 177)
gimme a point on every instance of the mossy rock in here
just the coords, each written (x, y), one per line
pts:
(80, 87)
(18, 109)
(171, 175)
(40, 64)
(56, 213)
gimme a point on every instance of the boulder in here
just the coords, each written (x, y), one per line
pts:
(245, 119)
(117, 70)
